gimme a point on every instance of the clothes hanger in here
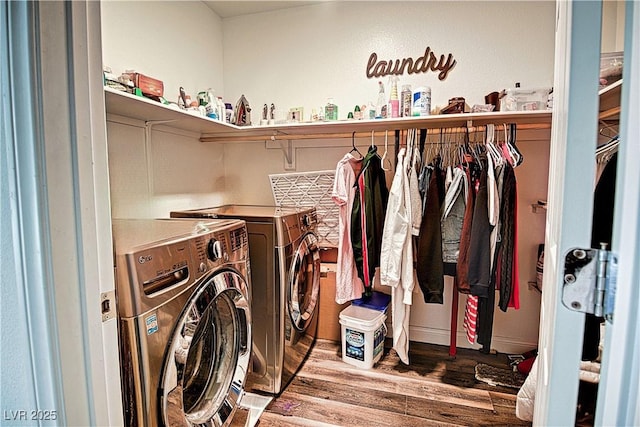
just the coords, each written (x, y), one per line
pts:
(396, 146)
(373, 148)
(384, 155)
(512, 144)
(607, 150)
(477, 150)
(612, 142)
(606, 128)
(506, 150)
(353, 144)
(492, 150)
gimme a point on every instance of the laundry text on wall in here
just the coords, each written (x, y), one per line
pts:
(423, 64)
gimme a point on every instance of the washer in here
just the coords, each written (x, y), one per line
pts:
(285, 272)
(184, 319)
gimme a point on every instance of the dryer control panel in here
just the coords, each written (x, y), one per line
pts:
(156, 260)
(298, 225)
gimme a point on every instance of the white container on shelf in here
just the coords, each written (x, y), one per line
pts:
(421, 101)
(363, 334)
(519, 99)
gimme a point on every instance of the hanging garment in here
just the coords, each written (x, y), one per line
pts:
(480, 244)
(601, 232)
(367, 216)
(414, 193)
(462, 268)
(507, 280)
(496, 236)
(484, 322)
(429, 268)
(396, 258)
(494, 185)
(453, 211)
(348, 285)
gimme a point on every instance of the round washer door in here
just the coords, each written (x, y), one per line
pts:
(208, 355)
(303, 289)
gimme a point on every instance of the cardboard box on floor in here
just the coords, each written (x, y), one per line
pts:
(329, 313)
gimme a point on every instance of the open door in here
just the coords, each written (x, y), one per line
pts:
(572, 174)
(618, 398)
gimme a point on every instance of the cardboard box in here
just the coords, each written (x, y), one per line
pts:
(329, 313)
(147, 85)
(329, 256)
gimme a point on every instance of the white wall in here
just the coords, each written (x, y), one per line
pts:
(178, 42)
(515, 331)
(172, 170)
(613, 26)
(301, 56)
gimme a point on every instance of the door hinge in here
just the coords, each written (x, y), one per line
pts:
(108, 305)
(590, 277)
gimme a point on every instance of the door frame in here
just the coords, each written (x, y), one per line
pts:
(572, 173)
(59, 213)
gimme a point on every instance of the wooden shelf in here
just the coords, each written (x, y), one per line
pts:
(345, 128)
(127, 105)
(610, 101)
(147, 110)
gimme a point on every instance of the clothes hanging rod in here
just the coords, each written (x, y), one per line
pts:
(611, 112)
(362, 134)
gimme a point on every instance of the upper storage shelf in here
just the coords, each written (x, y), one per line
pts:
(135, 107)
(139, 108)
(610, 101)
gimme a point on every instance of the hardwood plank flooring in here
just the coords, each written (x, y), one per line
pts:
(435, 390)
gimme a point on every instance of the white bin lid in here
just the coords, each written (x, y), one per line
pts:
(365, 316)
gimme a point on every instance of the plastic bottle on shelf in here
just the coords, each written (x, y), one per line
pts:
(221, 109)
(394, 102)
(381, 106)
(405, 101)
(371, 110)
(211, 108)
(228, 112)
(331, 110)
(421, 101)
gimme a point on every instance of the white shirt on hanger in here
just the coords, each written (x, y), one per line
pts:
(348, 285)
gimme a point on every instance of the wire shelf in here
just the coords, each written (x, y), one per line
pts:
(310, 189)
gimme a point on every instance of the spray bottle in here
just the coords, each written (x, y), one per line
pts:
(212, 105)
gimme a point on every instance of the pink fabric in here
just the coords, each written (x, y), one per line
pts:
(348, 285)
(368, 281)
(470, 317)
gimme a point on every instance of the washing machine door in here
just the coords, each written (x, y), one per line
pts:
(303, 289)
(208, 355)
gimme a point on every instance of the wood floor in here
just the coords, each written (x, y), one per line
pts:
(434, 390)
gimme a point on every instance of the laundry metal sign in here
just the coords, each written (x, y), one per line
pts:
(429, 62)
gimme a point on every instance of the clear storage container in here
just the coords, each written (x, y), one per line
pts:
(519, 99)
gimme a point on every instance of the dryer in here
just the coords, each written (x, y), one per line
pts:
(184, 319)
(285, 277)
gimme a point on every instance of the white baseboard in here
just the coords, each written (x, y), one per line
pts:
(441, 337)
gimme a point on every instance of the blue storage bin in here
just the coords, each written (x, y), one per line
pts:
(378, 301)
